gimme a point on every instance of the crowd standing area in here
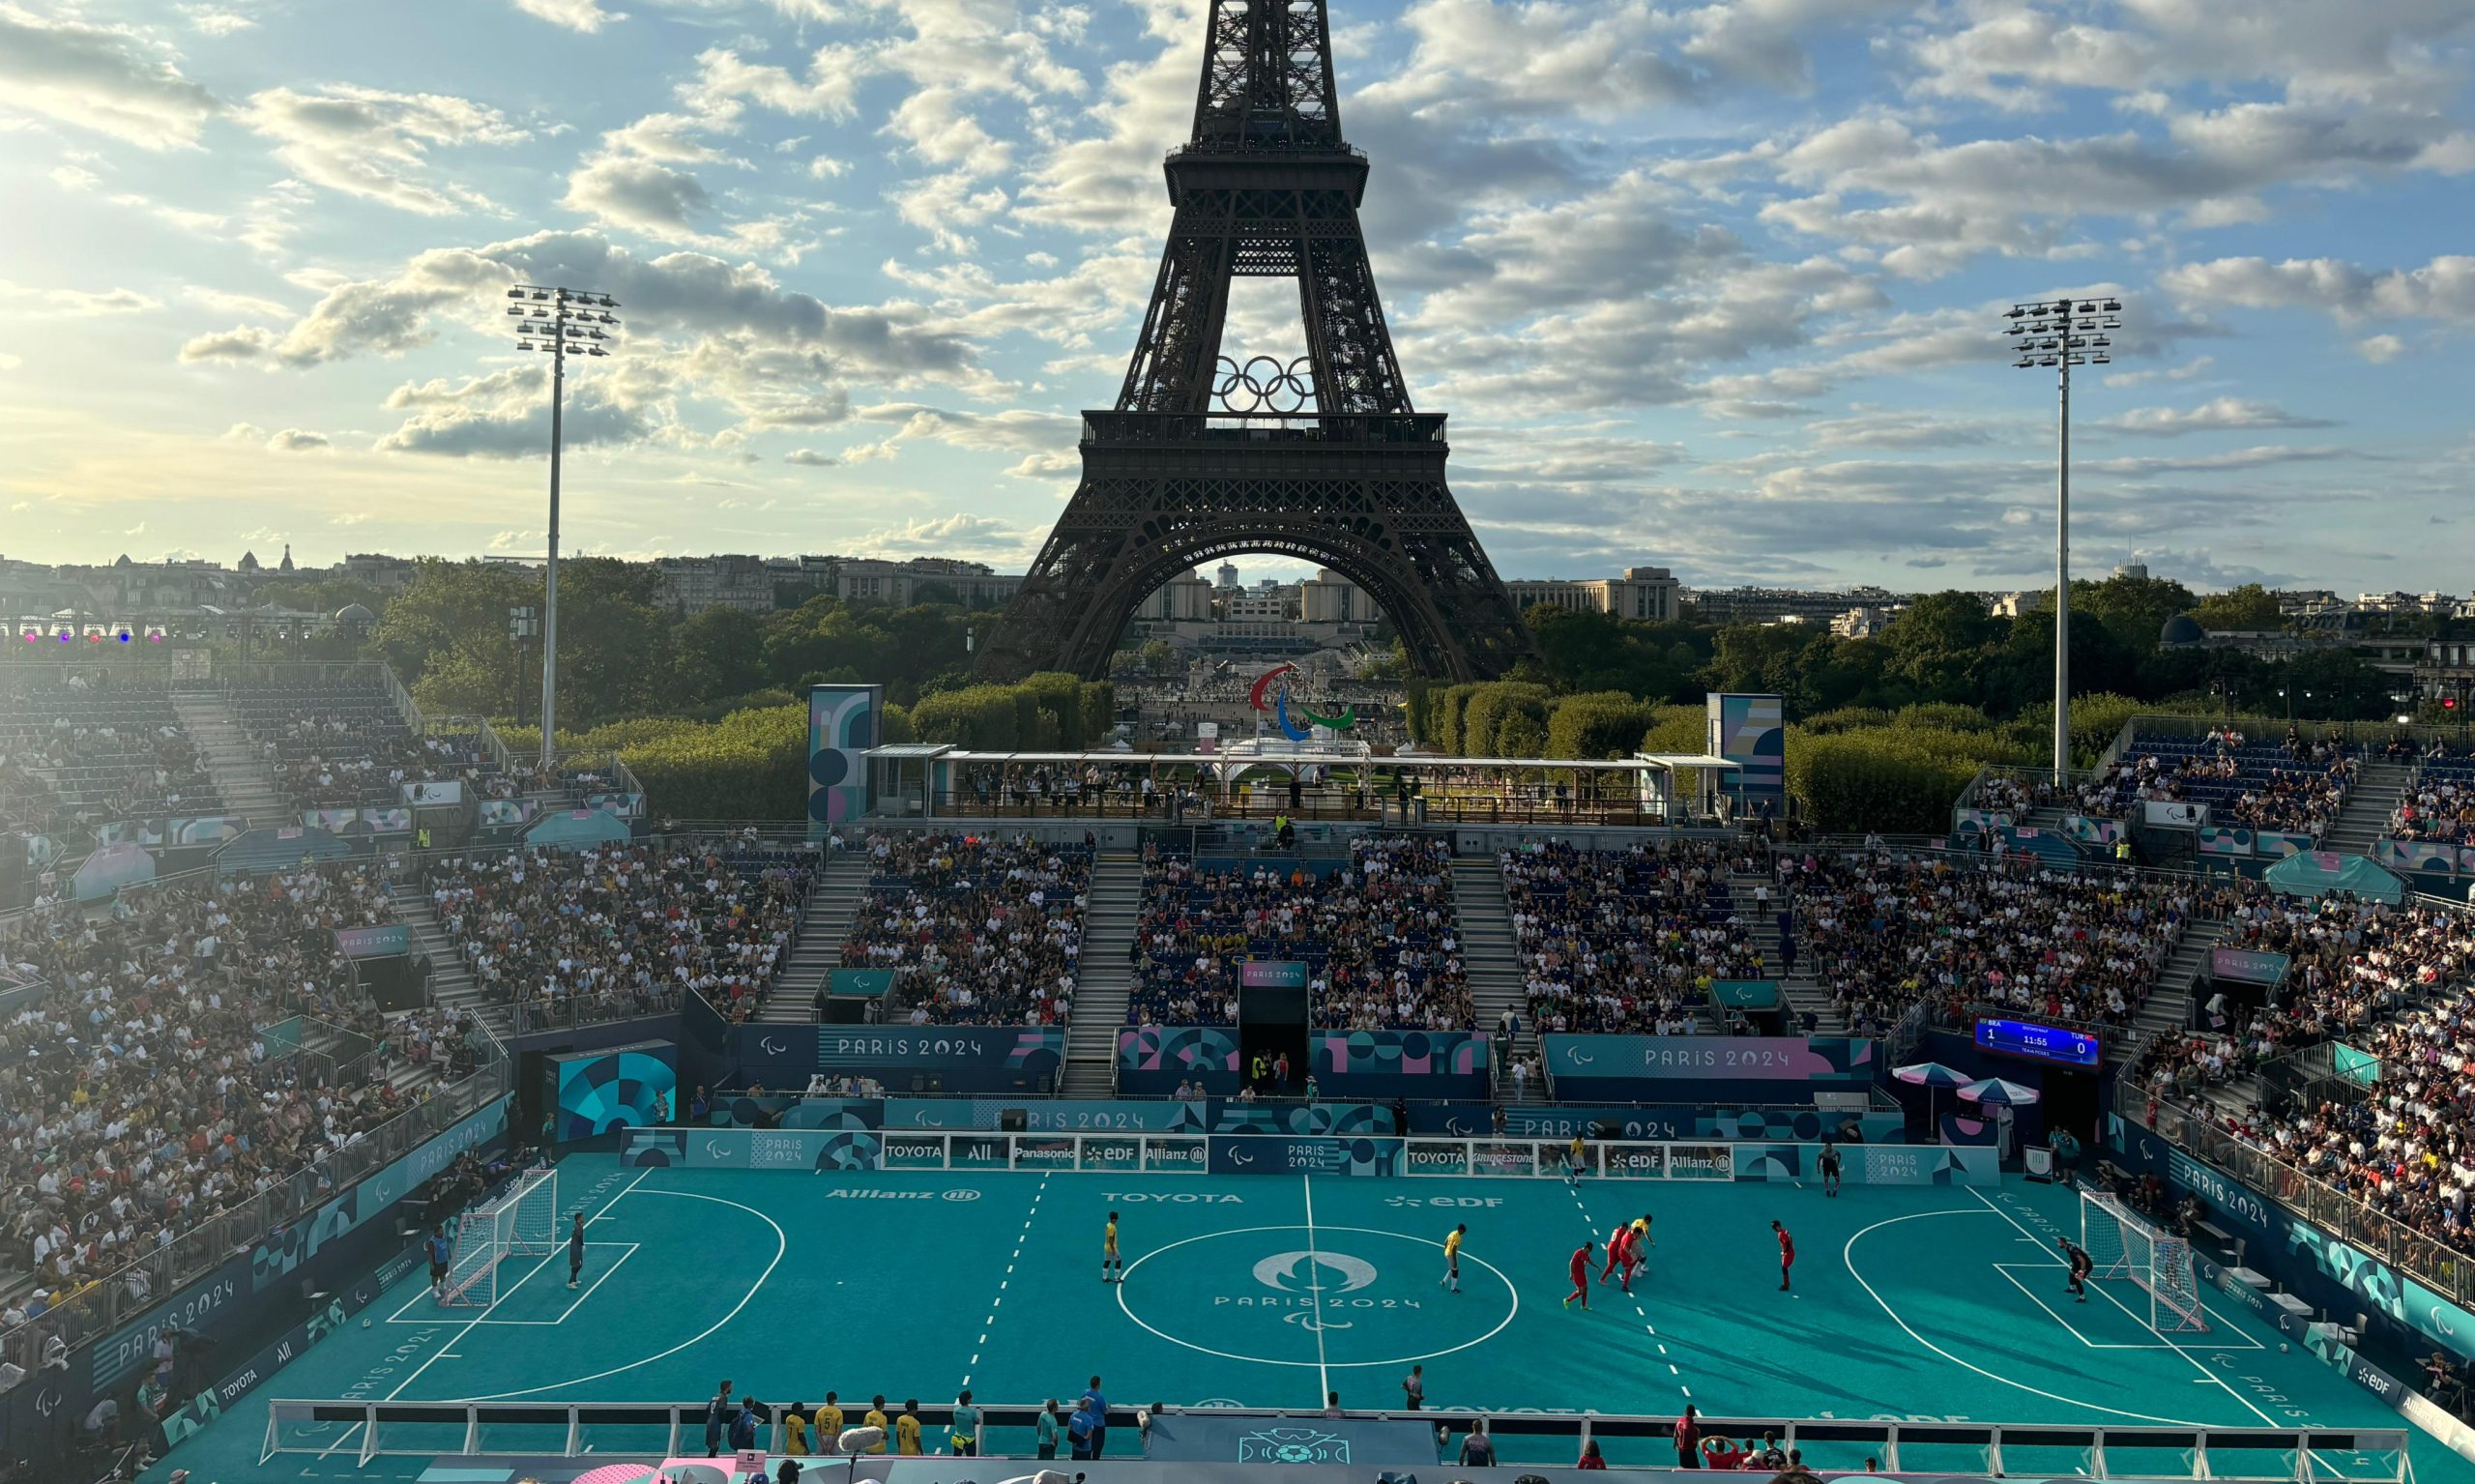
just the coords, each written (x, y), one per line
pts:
(976, 930)
(1627, 942)
(1890, 933)
(2398, 983)
(76, 751)
(1376, 933)
(621, 929)
(136, 1095)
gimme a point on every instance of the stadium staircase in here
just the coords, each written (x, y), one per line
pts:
(450, 983)
(1492, 960)
(1104, 972)
(2380, 785)
(2169, 1006)
(832, 904)
(245, 783)
(1803, 994)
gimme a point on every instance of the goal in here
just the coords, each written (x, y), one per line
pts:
(2121, 1244)
(523, 1222)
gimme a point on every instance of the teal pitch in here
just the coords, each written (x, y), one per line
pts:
(1271, 1291)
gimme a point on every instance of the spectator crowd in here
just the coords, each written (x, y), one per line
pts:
(976, 930)
(1626, 941)
(1377, 934)
(623, 928)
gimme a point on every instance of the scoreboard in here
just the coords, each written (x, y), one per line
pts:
(2050, 1044)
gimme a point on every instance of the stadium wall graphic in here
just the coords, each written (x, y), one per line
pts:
(947, 1059)
(1751, 731)
(1400, 1063)
(1705, 1068)
(842, 726)
(597, 1092)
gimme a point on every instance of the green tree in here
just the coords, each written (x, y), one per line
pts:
(2133, 609)
(721, 654)
(1940, 644)
(2248, 609)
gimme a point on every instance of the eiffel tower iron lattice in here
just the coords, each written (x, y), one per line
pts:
(1322, 458)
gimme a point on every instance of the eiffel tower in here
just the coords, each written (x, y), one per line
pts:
(1204, 455)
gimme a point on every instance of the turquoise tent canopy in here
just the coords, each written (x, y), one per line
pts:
(2315, 873)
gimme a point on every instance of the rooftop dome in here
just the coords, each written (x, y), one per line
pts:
(2181, 629)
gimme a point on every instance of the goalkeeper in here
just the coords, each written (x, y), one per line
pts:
(2075, 1259)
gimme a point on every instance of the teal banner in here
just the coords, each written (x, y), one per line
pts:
(1745, 994)
(2356, 1066)
(860, 983)
(2248, 964)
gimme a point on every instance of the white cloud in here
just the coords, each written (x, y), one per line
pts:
(2225, 414)
(106, 78)
(375, 144)
(81, 304)
(226, 302)
(217, 20)
(2197, 366)
(810, 458)
(942, 204)
(2380, 349)
(2443, 290)
(960, 533)
(294, 440)
(575, 15)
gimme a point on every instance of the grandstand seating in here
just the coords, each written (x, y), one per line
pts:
(139, 1098)
(977, 930)
(2439, 803)
(1625, 941)
(342, 742)
(78, 748)
(1891, 932)
(2296, 785)
(2393, 982)
(624, 928)
(1376, 933)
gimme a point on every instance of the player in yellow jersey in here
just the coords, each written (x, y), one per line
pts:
(1109, 1258)
(1452, 1257)
(1574, 1158)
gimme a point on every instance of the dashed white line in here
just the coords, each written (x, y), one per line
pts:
(998, 1299)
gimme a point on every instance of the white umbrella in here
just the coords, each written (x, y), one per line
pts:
(1994, 1089)
(1933, 1076)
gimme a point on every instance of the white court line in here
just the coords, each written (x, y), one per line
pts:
(781, 1247)
(2222, 1384)
(2004, 1269)
(1846, 1254)
(611, 1204)
(630, 1251)
(576, 1302)
(1315, 1286)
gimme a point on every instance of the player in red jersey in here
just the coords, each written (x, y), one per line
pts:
(1581, 1276)
(1787, 1253)
(1619, 1257)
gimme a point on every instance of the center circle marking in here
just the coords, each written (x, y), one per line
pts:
(1510, 1293)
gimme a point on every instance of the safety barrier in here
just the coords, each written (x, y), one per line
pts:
(619, 1432)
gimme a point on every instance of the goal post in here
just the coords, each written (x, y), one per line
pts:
(524, 1222)
(2122, 1244)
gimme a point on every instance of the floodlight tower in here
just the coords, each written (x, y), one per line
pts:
(562, 322)
(2062, 334)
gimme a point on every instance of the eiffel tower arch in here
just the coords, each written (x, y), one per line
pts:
(1208, 455)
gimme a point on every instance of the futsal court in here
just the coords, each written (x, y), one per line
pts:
(1273, 1291)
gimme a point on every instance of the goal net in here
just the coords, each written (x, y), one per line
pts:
(523, 1222)
(2122, 1244)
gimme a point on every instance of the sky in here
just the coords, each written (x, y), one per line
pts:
(1716, 287)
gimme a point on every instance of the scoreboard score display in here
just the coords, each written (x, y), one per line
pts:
(2053, 1045)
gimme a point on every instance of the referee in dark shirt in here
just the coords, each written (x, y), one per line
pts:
(575, 1250)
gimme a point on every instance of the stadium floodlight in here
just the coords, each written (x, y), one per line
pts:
(563, 322)
(2062, 332)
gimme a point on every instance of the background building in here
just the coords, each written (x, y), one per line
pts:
(1649, 593)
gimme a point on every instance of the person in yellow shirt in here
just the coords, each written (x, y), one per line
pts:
(906, 1429)
(1452, 1258)
(1108, 1258)
(876, 1418)
(795, 1431)
(827, 1423)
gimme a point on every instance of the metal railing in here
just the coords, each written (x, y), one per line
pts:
(2448, 1271)
(366, 1431)
(1314, 805)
